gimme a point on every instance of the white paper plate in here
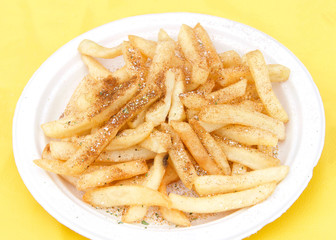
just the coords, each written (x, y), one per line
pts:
(48, 91)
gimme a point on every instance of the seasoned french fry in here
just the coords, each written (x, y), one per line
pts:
(238, 169)
(194, 100)
(248, 135)
(192, 113)
(229, 93)
(105, 105)
(137, 120)
(233, 74)
(90, 48)
(176, 111)
(230, 59)
(192, 51)
(157, 141)
(163, 36)
(195, 147)
(278, 72)
(121, 75)
(125, 195)
(222, 202)
(210, 127)
(232, 114)
(216, 184)
(249, 157)
(251, 105)
(91, 149)
(211, 146)
(153, 181)
(51, 165)
(130, 137)
(207, 87)
(135, 62)
(147, 47)
(108, 174)
(260, 75)
(212, 57)
(126, 155)
(158, 112)
(180, 159)
(96, 69)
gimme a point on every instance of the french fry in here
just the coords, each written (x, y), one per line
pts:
(135, 62)
(260, 74)
(211, 146)
(172, 215)
(222, 202)
(269, 150)
(247, 135)
(153, 181)
(249, 157)
(105, 105)
(137, 120)
(232, 114)
(157, 142)
(278, 72)
(210, 127)
(191, 49)
(238, 169)
(125, 155)
(251, 105)
(176, 111)
(51, 165)
(130, 137)
(230, 59)
(216, 184)
(194, 100)
(96, 69)
(212, 57)
(90, 48)
(147, 47)
(229, 93)
(192, 113)
(158, 112)
(91, 149)
(125, 195)
(179, 158)
(195, 147)
(206, 87)
(163, 36)
(62, 150)
(108, 174)
(232, 75)
(121, 75)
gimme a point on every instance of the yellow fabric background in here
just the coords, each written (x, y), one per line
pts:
(31, 30)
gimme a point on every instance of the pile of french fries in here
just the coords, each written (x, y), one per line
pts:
(173, 108)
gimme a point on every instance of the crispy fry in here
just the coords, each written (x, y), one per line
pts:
(157, 141)
(247, 135)
(179, 158)
(216, 184)
(194, 100)
(222, 202)
(229, 93)
(125, 195)
(90, 48)
(233, 74)
(121, 75)
(278, 72)
(263, 84)
(214, 150)
(96, 69)
(232, 114)
(238, 169)
(207, 87)
(135, 62)
(176, 111)
(230, 59)
(108, 174)
(146, 47)
(195, 147)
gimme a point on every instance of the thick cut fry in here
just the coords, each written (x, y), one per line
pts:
(193, 100)
(238, 169)
(108, 174)
(209, 50)
(90, 48)
(51, 165)
(126, 155)
(248, 135)
(191, 49)
(210, 127)
(146, 47)
(269, 150)
(249, 157)
(278, 72)
(153, 181)
(159, 111)
(233, 74)
(105, 105)
(192, 113)
(260, 75)
(195, 147)
(163, 36)
(96, 69)
(157, 141)
(251, 105)
(62, 150)
(180, 159)
(222, 202)
(130, 137)
(135, 62)
(216, 184)
(230, 59)
(125, 195)
(229, 93)
(207, 87)
(211, 146)
(97, 142)
(233, 114)
(176, 111)
(121, 75)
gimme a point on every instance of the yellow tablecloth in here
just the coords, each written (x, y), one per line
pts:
(31, 30)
